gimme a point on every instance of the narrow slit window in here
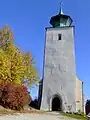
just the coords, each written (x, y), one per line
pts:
(59, 37)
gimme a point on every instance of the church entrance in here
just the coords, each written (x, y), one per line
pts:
(56, 104)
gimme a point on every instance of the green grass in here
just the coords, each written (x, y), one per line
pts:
(81, 117)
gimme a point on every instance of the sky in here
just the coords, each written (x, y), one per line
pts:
(29, 18)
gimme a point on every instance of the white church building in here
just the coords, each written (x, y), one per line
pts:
(60, 89)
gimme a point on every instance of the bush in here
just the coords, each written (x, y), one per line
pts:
(13, 96)
(87, 107)
(34, 104)
(67, 112)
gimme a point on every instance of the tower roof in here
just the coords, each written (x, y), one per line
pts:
(60, 19)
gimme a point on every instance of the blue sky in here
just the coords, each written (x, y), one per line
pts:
(28, 19)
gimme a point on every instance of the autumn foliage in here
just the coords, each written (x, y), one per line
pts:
(15, 66)
(13, 96)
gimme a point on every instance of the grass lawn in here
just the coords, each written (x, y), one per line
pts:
(81, 117)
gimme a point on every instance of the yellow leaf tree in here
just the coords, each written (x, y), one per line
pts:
(15, 66)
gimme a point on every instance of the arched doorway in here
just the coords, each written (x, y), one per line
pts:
(56, 103)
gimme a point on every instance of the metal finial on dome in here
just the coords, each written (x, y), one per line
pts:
(61, 11)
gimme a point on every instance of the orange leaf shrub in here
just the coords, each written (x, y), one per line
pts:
(13, 96)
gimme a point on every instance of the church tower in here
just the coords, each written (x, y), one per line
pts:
(59, 75)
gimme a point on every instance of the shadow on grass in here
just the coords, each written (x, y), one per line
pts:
(81, 117)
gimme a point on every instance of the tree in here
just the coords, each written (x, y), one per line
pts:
(15, 66)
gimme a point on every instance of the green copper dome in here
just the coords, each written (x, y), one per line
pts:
(61, 20)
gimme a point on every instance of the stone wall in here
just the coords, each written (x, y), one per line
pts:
(79, 95)
(59, 69)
